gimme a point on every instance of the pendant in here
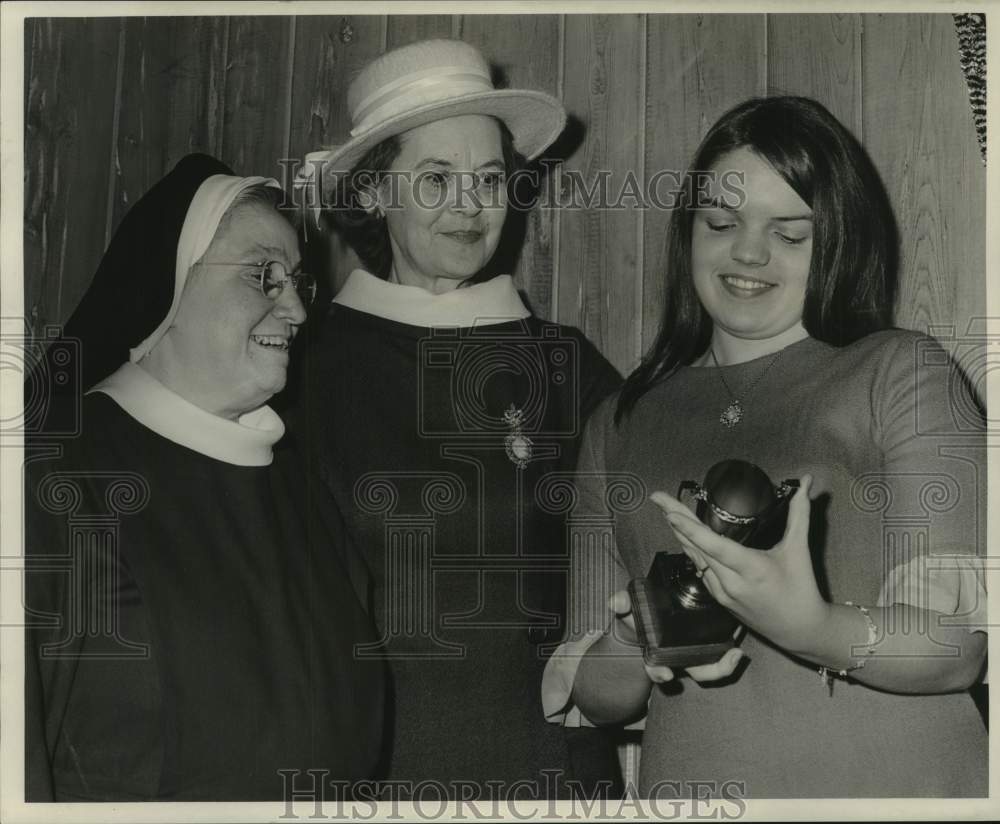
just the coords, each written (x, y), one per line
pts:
(518, 449)
(518, 446)
(732, 415)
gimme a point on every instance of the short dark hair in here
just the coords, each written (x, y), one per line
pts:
(853, 272)
(365, 231)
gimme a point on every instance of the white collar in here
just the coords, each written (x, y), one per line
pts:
(484, 304)
(245, 442)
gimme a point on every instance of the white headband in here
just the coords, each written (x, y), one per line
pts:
(201, 222)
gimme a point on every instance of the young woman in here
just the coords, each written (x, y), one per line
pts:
(866, 623)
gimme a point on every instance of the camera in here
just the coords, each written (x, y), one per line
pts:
(963, 363)
(678, 622)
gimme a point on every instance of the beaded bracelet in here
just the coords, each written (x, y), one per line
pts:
(826, 674)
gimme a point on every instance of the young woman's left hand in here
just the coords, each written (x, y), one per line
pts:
(773, 592)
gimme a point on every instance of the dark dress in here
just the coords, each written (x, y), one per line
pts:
(468, 548)
(208, 616)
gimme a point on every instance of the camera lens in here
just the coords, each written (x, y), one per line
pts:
(690, 591)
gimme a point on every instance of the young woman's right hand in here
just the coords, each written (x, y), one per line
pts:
(621, 605)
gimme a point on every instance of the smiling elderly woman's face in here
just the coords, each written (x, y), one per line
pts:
(452, 199)
(227, 350)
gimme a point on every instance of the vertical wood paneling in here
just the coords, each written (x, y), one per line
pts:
(598, 265)
(919, 131)
(408, 28)
(818, 56)
(173, 87)
(524, 51)
(30, 25)
(69, 131)
(329, 52)
(255, 129)
(698, 66)
(243, 88)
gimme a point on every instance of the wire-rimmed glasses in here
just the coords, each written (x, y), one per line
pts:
(271, 277)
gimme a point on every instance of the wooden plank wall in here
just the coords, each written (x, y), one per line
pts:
(112, 104)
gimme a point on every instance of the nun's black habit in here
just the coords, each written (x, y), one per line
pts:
(194, 607)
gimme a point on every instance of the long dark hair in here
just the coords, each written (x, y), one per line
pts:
(853, 277)
(365, 231)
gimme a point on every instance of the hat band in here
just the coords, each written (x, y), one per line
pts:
(379, 105)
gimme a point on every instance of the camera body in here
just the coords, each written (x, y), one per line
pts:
(678, 622)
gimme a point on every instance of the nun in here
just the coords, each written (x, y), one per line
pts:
(192, 609)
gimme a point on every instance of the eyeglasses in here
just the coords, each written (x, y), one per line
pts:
(272, 276)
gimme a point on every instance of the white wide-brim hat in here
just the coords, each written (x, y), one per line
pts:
(429, 81)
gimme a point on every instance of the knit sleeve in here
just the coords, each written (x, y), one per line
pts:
(596, 572)
(933, 488)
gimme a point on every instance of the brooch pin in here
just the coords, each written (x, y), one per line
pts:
(517, 444)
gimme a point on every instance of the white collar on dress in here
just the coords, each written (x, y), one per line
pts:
(244, 442)
(484, 304)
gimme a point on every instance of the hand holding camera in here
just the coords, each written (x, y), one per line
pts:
(621, 604)
(773, 592)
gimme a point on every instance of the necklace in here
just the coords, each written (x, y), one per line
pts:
(733, 413)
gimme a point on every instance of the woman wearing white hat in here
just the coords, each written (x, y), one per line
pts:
(439, 408)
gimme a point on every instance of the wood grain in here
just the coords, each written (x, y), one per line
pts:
(255, 124)
(172, 97)
(817, 56)
(643, 90)
(523, 49)
(409, 28)
(598, 256)
(919, 131)
(71, 68)
(698, 66)
(329, 52)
